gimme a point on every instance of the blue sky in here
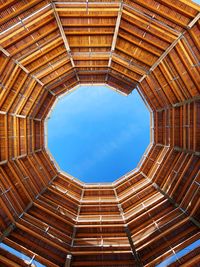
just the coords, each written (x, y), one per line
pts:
(179, 254)
(165, 263)
(21, 255)
(98, 135)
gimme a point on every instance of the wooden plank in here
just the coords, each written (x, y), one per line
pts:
(160, 59)
(164, 14)
(191, 4)
(19, 11)
(21, 29)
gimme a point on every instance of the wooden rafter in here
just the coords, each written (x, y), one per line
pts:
(114, 40)
(66, 44)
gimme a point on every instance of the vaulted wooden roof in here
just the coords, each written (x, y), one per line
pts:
(46, 49)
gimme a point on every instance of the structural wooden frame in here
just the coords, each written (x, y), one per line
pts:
(49, 48)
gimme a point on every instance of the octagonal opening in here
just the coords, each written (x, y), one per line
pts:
(98, 135)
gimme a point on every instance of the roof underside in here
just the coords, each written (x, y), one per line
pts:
(47, 48)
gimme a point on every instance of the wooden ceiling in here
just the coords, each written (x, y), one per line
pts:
(46, 49)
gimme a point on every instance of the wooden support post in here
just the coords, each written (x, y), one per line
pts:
(156, 22)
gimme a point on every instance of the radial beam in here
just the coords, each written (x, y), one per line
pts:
(192, 219)
(114, 41)
(13, 225)
(172, 201)
(151, 18)
(6, 53)
(179, 149)
(66, 44)
(167, 51)
(128, 233)
(191, 24)
(68, 260)
(136, 255)
(160, 59)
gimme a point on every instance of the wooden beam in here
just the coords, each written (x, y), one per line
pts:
(178, 9)
(191, 4)
(21, 29)
(167, 51)
(157, 10)
(139, 44)
(128, 233)
(7, 4)
(22, 67)
(160, 59)
(114, 41)
(6, 137)
(20, 10)
(66, 44)
(101, 4)
(13, 225)
(159, 25)
(143, 25)
(171, 200)
(68, 260)
(197, 153)
(139, 68)
(143, 38)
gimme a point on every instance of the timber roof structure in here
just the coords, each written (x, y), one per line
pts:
(46, 49)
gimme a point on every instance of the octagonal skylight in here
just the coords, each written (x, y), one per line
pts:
(98, 135)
